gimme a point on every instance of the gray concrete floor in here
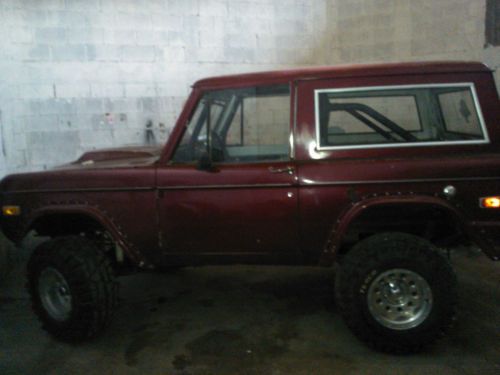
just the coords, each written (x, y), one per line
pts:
(246, 320)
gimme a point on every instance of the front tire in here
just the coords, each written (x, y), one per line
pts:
(396, 292)
(72, 288)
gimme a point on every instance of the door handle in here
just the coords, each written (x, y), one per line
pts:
(288, 170)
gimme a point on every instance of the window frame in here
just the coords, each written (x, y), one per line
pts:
(205, 92)
(469, 85)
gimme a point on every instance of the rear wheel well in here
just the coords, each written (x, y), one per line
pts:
(436, 224)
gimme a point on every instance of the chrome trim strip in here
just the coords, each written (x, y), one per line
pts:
(406, 181)
(470, 85)
(83, 190)
(479, 112)
(294, 124)
(394, 145)
(244, 186)
(208, 187)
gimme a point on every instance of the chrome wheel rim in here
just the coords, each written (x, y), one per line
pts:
(399, 299)
(55, 294)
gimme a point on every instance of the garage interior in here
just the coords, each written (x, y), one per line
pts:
(78, 75)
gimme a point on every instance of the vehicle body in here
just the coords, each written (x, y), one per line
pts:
(258, 170)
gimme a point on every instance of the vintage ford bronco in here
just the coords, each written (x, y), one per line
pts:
(375, 169)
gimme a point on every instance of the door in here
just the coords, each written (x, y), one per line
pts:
(228, 192)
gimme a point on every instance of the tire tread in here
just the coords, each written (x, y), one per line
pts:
(369, 254)
(90, 275)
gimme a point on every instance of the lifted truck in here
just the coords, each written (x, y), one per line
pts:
(373, 168)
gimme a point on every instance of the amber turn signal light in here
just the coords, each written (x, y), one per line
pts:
(11, 210)
(490, 202)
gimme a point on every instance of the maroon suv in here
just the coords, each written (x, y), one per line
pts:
(373, 168)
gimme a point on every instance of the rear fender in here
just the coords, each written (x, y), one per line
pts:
(352, 212)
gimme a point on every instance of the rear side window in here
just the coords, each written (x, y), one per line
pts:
(457, 114)
(398, 116)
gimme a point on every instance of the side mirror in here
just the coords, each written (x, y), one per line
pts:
(205, 162)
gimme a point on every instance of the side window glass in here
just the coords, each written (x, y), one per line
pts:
(395, 115)
(194, 141)
(235, 132)
(374, 118)
(260, 128)
(238, 125)
(459, 113)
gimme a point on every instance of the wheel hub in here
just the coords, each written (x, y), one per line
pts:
(54, 294)
(399, 299)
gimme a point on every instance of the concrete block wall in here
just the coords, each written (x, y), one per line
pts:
(82, 74)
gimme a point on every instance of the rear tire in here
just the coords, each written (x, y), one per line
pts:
(396, 292)
(72, 288)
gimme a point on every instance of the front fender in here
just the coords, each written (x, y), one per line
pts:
(92, 212)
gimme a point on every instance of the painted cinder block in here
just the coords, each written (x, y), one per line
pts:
(72, 90)
(21, 35)
(46, 148)
(56, 35)
(82, 4)
(39, 5)
(186, 7)
(103, 52)
(118, 36)
(69, 52)
(84, 35)
(134, 19)
(42, 123)
(31, 91)
(36, 52)
(69, 18)
(146, 53)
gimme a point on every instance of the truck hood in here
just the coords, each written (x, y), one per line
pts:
(116, 157)
(116, 168)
